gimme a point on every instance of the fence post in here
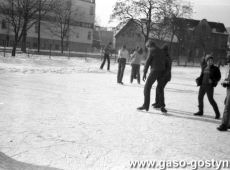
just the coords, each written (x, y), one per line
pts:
(50, 52)
(4, 51)
(28, 54)
(86, 55)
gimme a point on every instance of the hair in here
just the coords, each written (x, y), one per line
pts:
(165, 48)
(151, 43)
(140, 51)
(124, 46)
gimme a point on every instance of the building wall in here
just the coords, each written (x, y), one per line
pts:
(81, 32)
(129, 36)
(201, 40)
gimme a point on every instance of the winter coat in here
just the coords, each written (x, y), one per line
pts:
(108, 49)
(215, 76)
(156, 59)
(123, 53)
(136, 58)
(168, 69)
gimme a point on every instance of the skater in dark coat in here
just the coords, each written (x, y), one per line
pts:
(156, 59)
(159, 99)
(107, 52)
(225, 125)
(136, 58)
(210, 75)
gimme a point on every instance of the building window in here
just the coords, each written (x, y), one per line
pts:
(89, 35)
(77, 35)
(4, 24)
(91, 12)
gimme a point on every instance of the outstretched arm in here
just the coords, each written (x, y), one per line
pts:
(147, 63)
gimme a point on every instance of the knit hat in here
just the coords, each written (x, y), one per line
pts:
(208, 56)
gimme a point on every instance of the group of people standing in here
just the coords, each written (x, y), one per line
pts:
(158, 59)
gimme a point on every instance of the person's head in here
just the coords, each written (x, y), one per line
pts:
(124, 47)
(151, 44)
(140, 51)
(228, 60)
(110, 44)
(209, 59)
(165, 48)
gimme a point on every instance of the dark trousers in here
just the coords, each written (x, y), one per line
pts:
(135, 72)
(106, 57)
(121, 69)
(153, 76)
(160, 96)
(226, 115)
(210, 91)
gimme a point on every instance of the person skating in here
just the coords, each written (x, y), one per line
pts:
(123, 56)
(156, 59)
(107, 52)
(159, 99)
(136, 58)
(210, 75)
(225, 125)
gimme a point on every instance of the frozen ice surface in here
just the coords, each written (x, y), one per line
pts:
(69, 114)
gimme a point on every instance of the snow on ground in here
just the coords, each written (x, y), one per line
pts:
(69, 114)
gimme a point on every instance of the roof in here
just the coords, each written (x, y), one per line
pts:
(130, 21)
(219, 27)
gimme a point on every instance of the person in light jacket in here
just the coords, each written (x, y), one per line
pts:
(123, 56)
(136, 58)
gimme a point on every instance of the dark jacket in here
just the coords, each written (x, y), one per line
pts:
(168, 67)
(108, 49)
(215, 76)
(156, 59)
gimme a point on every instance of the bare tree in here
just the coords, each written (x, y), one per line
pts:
(21, 14)
(31, 10)
(143, 12)
(14, 15)
(171, 10)
(151, 15)
(44, 7)
(61, 21)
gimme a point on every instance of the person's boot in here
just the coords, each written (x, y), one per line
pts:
(217, 116)
(156, 105)
(163, 110)
(222, 127)
(142, 108)
(199, 113)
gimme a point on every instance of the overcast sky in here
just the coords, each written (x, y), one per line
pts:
(212, 10)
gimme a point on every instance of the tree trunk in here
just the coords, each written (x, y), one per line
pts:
(39, 35)
(24, 35)
(39, 26)
(62, 45)
(15, 44)
(14, 48)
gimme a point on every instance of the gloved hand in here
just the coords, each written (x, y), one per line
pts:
(144, 77)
